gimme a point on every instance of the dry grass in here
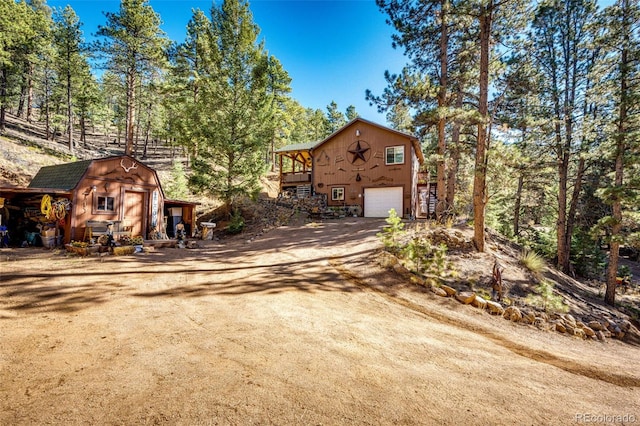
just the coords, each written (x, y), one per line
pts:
(533, 261)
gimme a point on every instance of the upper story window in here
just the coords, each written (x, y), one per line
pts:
(394, 154)
(105, 203)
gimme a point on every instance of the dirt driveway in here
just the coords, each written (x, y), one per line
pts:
(295, 327)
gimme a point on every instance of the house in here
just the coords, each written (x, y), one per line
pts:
(364, 167)
(73, 198)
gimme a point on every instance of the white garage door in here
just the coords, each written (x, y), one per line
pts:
(378, 201)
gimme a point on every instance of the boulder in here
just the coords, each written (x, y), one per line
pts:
(466, 297)
(439, 291)
(625, 325)
(595, 325)
(494, 308)
(571, 330)
(414, 279)
(580, 333)
(600, 335)
(570, 320)
(588, 331)
(512, 314)
(479, 303)
(560, 327)
(529, 318)
(400, 269)
(450, 290)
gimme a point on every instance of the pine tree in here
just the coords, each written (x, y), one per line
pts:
(133, 44)
(335, 118)
(239, 87)
(622, 82)
(24, 32)
(67, 37)
(351, 113)
(562, 39)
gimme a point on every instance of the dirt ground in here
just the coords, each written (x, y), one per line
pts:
(295, 327)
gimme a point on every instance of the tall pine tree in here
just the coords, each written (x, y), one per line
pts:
(234, 108)
(133, 44)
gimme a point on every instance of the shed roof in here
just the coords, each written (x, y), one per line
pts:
(61, 176)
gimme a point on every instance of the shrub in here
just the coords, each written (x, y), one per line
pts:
(586, 256)
(532, 261)
(546, 299)
(392, 232)
(427, 258)
(236, 225)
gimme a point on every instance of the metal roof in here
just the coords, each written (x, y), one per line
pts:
(298, 147)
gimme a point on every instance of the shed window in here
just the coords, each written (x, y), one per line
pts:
(394, 154)
(105, 204)
(337, 194)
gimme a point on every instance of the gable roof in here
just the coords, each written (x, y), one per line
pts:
(413, 139)
(310, 146)
(61, 176)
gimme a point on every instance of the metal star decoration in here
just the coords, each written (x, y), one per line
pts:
(358, 152)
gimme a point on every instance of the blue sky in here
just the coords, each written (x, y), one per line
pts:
(334, 50)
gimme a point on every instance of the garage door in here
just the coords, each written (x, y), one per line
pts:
(378, 201)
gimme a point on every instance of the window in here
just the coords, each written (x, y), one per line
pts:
(337, 194)
(105, 204)
(394, 154)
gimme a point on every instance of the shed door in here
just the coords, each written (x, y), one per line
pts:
(378, 201)
(133, 213)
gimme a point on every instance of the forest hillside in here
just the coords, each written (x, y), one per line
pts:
(544, 297)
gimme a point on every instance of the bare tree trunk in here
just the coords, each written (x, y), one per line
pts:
(30, 94)
(47, 112)
(23, 91)
(83, 130)
(441, 171)
(455, 153)
(616, 229)
(3, 96)
(480, 173)
(70, 110)
(518, 203)
(575, 198)
(561, 224)
(131, 113)
(621, 134)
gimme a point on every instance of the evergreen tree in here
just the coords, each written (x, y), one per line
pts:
(622, 81)
(24, 30)
(67, 37)
(133, 44)
(234, 110)
(335, 118)
(351, 113)
(177, 187)
(562, 41)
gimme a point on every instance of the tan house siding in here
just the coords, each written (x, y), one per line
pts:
(355, 158)
(128, 184)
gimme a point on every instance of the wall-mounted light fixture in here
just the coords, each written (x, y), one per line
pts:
(357, 132)
(106, 186)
